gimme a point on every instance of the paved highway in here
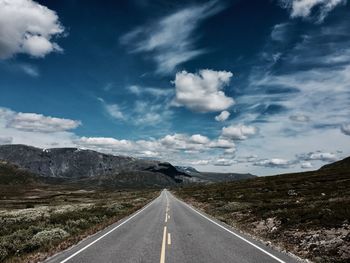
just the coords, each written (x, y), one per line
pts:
(168, 230)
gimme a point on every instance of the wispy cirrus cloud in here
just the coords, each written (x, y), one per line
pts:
(113, 110)
(157, 92)
(300, 100)
(170, 40)
(308, 8)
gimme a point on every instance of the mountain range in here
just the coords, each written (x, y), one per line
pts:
(91, 168)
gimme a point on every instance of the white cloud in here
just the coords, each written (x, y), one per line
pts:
(320, 156)
(200, 162)
(239, 132)
(149, 113)
(27, 27)
(157, 92)
(36, 129)
(273, 163)
(304, 8)
(306, 165)
(170, 39)
(300, 118)
(345, 128)
(105, 143)
(6, 140)
(33, 122)
(200, 139)
(223, 116)
(202, 92)
(223, 144)
(280, 32)
(142, 113)
(113, 110)
(223, 162)
(29, 70)
(170, 146)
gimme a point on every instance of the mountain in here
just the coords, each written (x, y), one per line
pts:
(12, 175)
(339, 165)
(84, 166)
(206, 177)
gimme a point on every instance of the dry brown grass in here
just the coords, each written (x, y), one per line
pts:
(306, 213)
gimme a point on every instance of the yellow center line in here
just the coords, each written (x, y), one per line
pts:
(169, 239)
(162, 252)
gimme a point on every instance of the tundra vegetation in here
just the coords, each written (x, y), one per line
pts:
(305, 213)
(38, 219)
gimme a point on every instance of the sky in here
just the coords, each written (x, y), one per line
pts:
(228, 86)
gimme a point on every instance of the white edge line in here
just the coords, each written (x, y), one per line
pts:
(233, 233)
(110, 231)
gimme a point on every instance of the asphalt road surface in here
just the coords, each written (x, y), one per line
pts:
(168, 230)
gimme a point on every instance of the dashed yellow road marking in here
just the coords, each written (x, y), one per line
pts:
(162, 252)
(169, 239)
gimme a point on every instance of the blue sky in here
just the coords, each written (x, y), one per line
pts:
(231, 86)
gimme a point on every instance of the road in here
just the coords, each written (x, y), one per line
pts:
(167, 231)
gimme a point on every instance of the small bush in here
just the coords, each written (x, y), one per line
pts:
(49, 236)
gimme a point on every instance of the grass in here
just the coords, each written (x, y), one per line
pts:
(39, 219)
(305, 213)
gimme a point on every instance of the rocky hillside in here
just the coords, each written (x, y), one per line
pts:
(306, 213)
(210, 177)
(339, 165)
(86, 165)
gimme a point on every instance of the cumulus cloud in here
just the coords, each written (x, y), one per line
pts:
(184, 142)
(200, 162)
(169, 145)
(200, 139)
(223, 116)
(170, 39)
(203, 91)
(40, 123)
(320, 156)
(345, 128)
(273, 163)
(306, 165)
(305, 8)
(223, 162)
(238, 132)
(105, 143)
(33, 122)
(27, 27)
